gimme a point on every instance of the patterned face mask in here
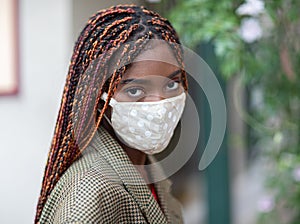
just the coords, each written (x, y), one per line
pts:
(146, 126)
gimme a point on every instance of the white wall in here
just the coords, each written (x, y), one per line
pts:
(27, 120)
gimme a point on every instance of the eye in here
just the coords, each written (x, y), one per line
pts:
(172, 85)
(134, 92)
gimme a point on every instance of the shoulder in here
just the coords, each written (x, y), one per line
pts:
(89, 192)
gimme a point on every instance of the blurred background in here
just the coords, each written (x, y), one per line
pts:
(253, 48)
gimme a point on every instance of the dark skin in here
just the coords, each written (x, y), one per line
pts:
(145, 81)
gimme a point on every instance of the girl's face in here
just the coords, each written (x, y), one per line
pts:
(150, 80)
(148, 126)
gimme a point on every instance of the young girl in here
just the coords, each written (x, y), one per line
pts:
(124, 95)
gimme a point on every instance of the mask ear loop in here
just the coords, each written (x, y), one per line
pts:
(112, 101)
(106, 118)
(104, 98)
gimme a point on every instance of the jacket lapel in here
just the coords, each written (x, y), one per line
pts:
(130, 177)
(169, 205)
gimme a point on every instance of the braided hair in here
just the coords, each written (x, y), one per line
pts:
(89, 76)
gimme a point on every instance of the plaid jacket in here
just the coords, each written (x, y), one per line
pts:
(103, 186)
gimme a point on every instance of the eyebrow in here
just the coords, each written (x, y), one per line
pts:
(141, 81)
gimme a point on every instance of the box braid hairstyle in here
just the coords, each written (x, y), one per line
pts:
(78, 119)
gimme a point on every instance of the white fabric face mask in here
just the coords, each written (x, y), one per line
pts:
(146, 126)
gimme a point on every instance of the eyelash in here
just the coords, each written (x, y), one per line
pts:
(133, 88)
(174, 81)
(127, 91)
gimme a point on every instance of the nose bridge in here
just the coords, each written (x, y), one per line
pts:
(155, 96)
(156, 92)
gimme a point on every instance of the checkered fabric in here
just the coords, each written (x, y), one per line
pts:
(103, 186)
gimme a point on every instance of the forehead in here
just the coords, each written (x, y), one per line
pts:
(149, 68)
(157, 51)
(156, 61)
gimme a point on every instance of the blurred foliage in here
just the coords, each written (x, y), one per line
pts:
(204, 21)
(269, 65)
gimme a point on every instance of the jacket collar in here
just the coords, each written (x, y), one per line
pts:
(132, 180)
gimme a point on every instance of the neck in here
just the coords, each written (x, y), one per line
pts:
(137, 157)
